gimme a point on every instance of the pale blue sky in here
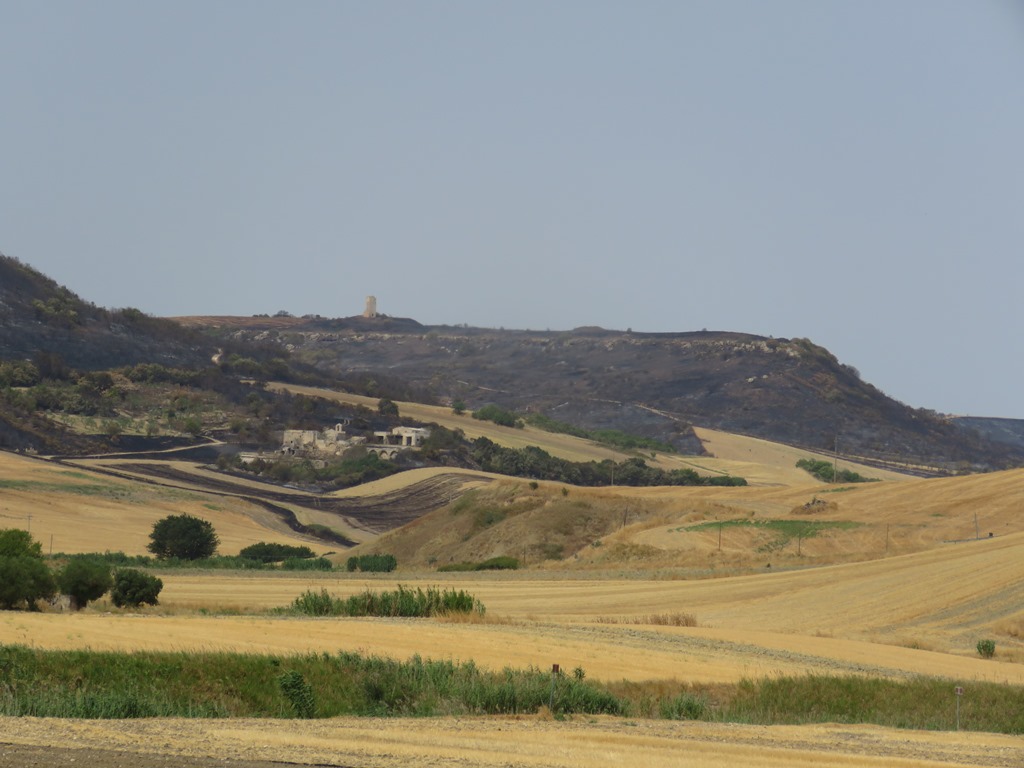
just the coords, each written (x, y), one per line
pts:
(852, 172)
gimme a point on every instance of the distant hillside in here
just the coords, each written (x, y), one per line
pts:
(41, 319)
(655, 384)
(652, 384)
(1008, 431)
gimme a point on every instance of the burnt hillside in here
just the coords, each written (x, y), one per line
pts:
(38, 318)
(789, 390)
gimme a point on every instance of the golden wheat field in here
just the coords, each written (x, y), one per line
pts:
(887, 598)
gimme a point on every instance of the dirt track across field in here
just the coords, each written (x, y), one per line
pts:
(488, 742)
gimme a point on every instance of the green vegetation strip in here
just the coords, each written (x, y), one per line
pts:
(610, 437)
(502, 563)
(90, 684)
(403, 602)
(827, 472)
(80, 489)
(790, 528)
(215, 563)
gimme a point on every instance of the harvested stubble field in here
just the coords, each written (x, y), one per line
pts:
(918, 613)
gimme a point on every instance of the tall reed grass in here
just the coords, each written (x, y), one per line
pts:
(403, 602)
(91, 684)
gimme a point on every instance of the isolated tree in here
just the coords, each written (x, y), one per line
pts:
(133, 587)
(24, 577)
(184, 537)
(386, 407)
(85, 579)
(458, 407)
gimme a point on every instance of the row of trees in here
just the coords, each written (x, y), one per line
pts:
(538, 464)
(25, 578)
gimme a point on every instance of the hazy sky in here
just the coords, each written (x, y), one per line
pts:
(852, 172)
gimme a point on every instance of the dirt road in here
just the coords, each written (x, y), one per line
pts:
(486, 742)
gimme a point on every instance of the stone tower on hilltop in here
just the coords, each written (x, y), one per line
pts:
(371, 307)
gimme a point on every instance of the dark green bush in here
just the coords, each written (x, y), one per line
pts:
(499, 416)
(272, 552)
(298, 692)
(986, 648)
(372, 563)
(132, 588)
(503, 563)
(826, 472)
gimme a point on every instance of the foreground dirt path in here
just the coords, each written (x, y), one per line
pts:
(489, 743)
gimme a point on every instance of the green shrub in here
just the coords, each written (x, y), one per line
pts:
(317, 604)
(502, 563)
(272, 552)
(132, 588)
(986, 648)
(298, 692)
(371, 563)
(85, 579)
(499, 416)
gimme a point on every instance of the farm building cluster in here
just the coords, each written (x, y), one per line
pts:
(325, 444)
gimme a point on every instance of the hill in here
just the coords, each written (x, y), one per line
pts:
(41, 320)
(655, 384)
(1007, 431)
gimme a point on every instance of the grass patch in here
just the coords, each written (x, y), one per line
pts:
(923, 703)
